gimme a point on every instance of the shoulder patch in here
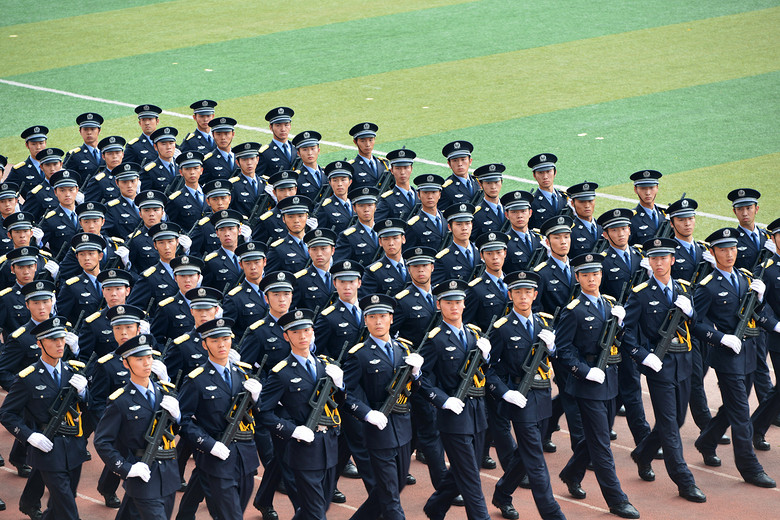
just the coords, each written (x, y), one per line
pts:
(401, 294)
(386, 194)
(375, 266)
(433, 332)
(107, 357)
(27, 371)
(280, 365)
(211, 255)
(235, 290)
(113, 202)
(133, 140)
(5, 291)
(706, 279)
(442, 252)
(356, 348)
(349, 231)
(117, 393)
(71, 281)
(174, 195)
(540, 267)
(18, 332)
(573, 304)
(300, 273)
(37, 188)
(412, 221)
(499, 322)
(277, 242)
(195, 373)
(474, 282)
(266, 215)
(166, 301)
(149, 271)
(92, 317)
(150, 166)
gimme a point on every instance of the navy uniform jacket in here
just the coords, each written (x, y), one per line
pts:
(204, 400)
(367, 373)
(685, 265)
(772, 299)
(155, 282)
(273, 159)
(747, 253)
(286, 254)
(485, 221)
(122, 217)
(244, 305)
(204, 237)
(244, 197)
(444, 357)
(452, 263)
(334, 214)
(383, 277)
(25, 173)
(484, 300)
(120, 434)
(309, 186)
(69, 266)
(21, 350)
(615, 272)
(454, 192)
(6, 244)
(143, 255)
(7, 278)
(40, 200)
(140, 150)
(334, 326)
(518, 254)
(96, 335)
(543, 210)
(578, 331)
(81, 161)
(412, 315)
(220, 270)
(642, 227)
(216, 167)
(356, 244)
(185, 354)
(270, 228)
(195, 141)
(184, 209)
(265, 336)
(101, 187)
(13, 312)
(310, 290)
(58, 229)
(364, 174)
(155, 176)
(77, 294)
(109, 375)
(172, 319)
(421, 231)
(582, 238)
(394, 204)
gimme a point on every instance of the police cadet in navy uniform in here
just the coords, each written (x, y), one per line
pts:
(400, 200)
(370, 170)
(368, 370)
(61, 223)
(548, 201)
(668, 378)
(311, 178)
(341, 321)
(462, 424)
(388, 274)
(156, 282)
(314, 287)
(648, 216)
(28, 174)
(244, 304)
(9, 204)
(489, 215)
(101, 187)
(141, 149)
(280, 154)
(336, 211)
(82, 293)
(13, 312)
(220, 163)
(122, 215)
(85, 159)
(578, 331)
(271, 227)
(311, 454)
(95, 333)
(41, 199)
(359, 241)
(25, 411)
(200, 140)
(206, 395)
(143, 254)
(187, 204)
(248, 184)
(523, 242)
(461, 259)
(461, 186)
(223, 268)
(586, 230)
(717, 302)
(290, 251)
(203, 234)
(515, 338)
(415, 305)
(173, 317)
(21, 229)
(427, 228)
(161, 173)
(486, 297)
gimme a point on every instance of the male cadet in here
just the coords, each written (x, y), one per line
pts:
(95, 333)
(122, 215)
(21, 228)
(426, 228)
(462, 423)
(400, 200)
(586, 231)
(461, 260)
(368, 370)
(668, 375)
(248, 186)
(206, 398)
(187, 204)
(388, 274)
(271, 227)
(342, 321)
(548, 201)
(460, 186)
(82, 293)
(415, 306)
(13, 313)
(359, 241)
(716, 301)
(486, 297)
(9, 204)
(156, 283)
(26, 409)
(290, 252)
(173, 318)
(311, 179)
(523, 242)
(61, 223)
(220, 163)
(311, 454)
(579, 329)
(314, 288)
(244, 304)
(223, 268)
(150, 206)
(159, 174)
(204, 236)
(279, 155)
(40, 200)
(370, 170)
(101, 187)
(120, 436)
(201, 139)
(336, 212)
(647, 217)
(141, 149)
(515, 339)
(489, 216)
(27, 174)
(85, 159)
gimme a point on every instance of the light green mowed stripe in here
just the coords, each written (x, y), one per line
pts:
(16, 12)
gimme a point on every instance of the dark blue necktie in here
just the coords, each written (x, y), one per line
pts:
(469, 257)
(600, 307)
(96, 155)
(462, 337)
(372, 165)
(401, 270)
(734, 282)
(566, 273)
(429, 298)
(226, 377)
(150, 397)
(530, 328)
(410, 196)
(231, 162)
(355, 314)
(287, 151)
(389, 352)
(627, 260)
(437, 222)
(311, 368)
(757, 240)
(668, 295)
(57, 377)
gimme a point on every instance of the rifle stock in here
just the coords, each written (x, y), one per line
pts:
(64, 402)
(321, 396)
(239, 409)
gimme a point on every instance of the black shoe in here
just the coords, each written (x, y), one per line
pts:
(112, 501)
(693, 494)
(624, 510)
(338, 497)
(182, 485)
(23, 470)
(507, 510)
(420, 456)
(622, 411)
(281, 487)
(712, 460)
(760, 443)
(2, 505)
(488, 462)
(646, 472)
(761, 480)
(575, 490)
(34, 512)
(590, 467)
(410, 480)
(89, 455)
(2, 463)
(724, 440)
(659, 455)
(458, 501)
(268, 512)
(525, 482)
(612, 435)
(548, 446)
(350, 471)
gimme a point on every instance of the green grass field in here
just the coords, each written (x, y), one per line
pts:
(686, 87)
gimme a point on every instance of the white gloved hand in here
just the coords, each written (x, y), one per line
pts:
(79, 198)
(596, 375)
(732, 342)
(38, 234)
(220, 313)
(548, 337)
(645, 264)
(483, 344)
(185, 242)
(777, 327)
(302, 433)
(684, 303)
(78, 382)
(40, 441)
(246, 232)
(707, 257)
(171, 405)
(376, 418)
(454, 405)
(124, 255)
(415, 361)
(220, 451)
(254, 387)
(619, 312)
(336, 374)
(269, 189)
(144, 327)
(160, 370)
(546, 245)
(759, 287)
(140, 470)
(53, 268)
(312, 222)
(516, 398)
(72, 341)
(652, 362)
(233, 356)
(770, 245)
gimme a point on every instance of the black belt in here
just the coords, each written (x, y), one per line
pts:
(611, 360)
(160, 455)
(243, 436)
(397, 407)
(476, 392)
(536, 382)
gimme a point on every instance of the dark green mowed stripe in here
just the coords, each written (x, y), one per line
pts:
(19, 12)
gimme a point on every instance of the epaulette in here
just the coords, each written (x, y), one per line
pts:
(71, 281)
(706, 279)
(195, 373)
(300, 273)
(50, 214)
(245, 366)
(328, 310)
(113, 202)
(603, 254)
(639, 287)
(3, 259)
(573, 304)
(401, 294)
(474, 282)
(36, 189)
(746, 272)
(234, 180)
(208, 156)
(609, 298)
(257, 324)
(150, 166)
(43, 252)
(5, 291)
(107, 357)
(442, 252)
(768, 263)
(349, 231)
(92, 317)
(497, 324)
(136, 234)
(263, 148)
(412, 221)
(474, 328)
(77, 149)
(116, 393)
(540, 266)
(433, 332)
(75, 363)
(326, 202)
(189, 136)
(277, 242)
(19, 165)
(683, 282)
(638, 247)
(375, 266)
(446, 183)
(545, 315)
(174, 195)
(355, 348)
(149, 271)
(100, 176)
(266, 215)
(166, 301)
(386, 194)
(166, 386)
(477, 209)
(133, 140)
(280, 365)
(181, 339)
(18, 332)
(211, 255)
(404, 341)
(351, 161)
(118, 240)
(235, 290)
(27, 371)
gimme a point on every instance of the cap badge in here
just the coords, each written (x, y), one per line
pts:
(365, 191)
(37, 129)
(561, 220)
(366, 126)
(120, 310)
(645, 174)
(456, 145)
(684, 203)
(222, 120)
(220, 323)
(146, 107)
(217, 184)
(306, 135)
(142, 339)
(189, 155)
(418, 251)
(281, 110)
(112, 139)
(589, 258)
(66, 174)
(492, 236)
(223, 213)
(375, 299)
(166, 130)
(247, 146)
(205, 103)
(24, 250)
(185, 260)
(616, 213)
(280, 277)
(657, 243)
(201, 292)
(429, 178)
(462, 207)
(150, 195)
(39, 285)
(112, 274)
(521, 275)
(338, 165)
(518, 194)
(347, 264)
(586, 186)
(90, 205)
(298, 315)
(492, 167)
(388, 223)
(163, 226)
(401, 154)
(296, 200)
(453, 284)
(85, 238)
(542, 157)
(250, 246)
(317, 232)
(89, 116)
(56, 322)
(285, 175)
(741, 193)
(726, 233)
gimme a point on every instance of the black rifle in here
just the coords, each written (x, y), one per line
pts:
(174, 185)
(158, 430)
(600, 246)
(668, 331)
(608, 338)
(534, 360)
(321, 396)
(702, 269)
(536, 257)
(114, 263)
(64, 402)
(240, 408)
(328, 192)
(747, 310)
(470, 367)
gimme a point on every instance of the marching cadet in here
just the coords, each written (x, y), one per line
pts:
(95, 333)
(461, 259)
(359, 241)
(284, 409)
(290, 252)
(265, 336)
(141, 150)
(159, 174)
(401, 200)
(668, 376)
(523, 242)
(26, 409)
(150, 206)
(187, 204)
(271, 227)
(27, 174)
(122, 215)
(370, 170)
(9, 204)
(156, 283)
(200, 140)
(548, 201)
(206, 396)
(41, 199)
(120, 437)
(223, 268)
(341, 321)
(21, 229)
(85, 159)
(648, 217)
(368, 370)
(203, 234)
(311, 179)
(486, 297)
(101, 187)
(515, 339)
(244, 304)
(81, 293)
(579, 330)
(313, 284)
(460, 186)
(461, 423)
(489, 216)
(415, 306)
(388, 274)
(586, 232)
(13, 313)
(279, 154)
(248, 186)
(220, 163)
(717, 301)
(426, 228)
(336, 212)
(61, 223)
(173, 318)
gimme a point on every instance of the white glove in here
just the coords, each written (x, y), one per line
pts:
(619, 312)
(548, 337)
(759, 287)
(546, 245)
(454, 405)
(302, 433)
(38, 234)
(254, 387)
(269, 189)
(732, 342)
(376, 418)
(336, 374)
(596, 375)
(72, 341)
(160, 370)
(707, 256)
(645, 264)
(483, 344)
(220, 451)
(171, 405)
(185, 242)
(312, 222)
(140, 470)
(220, 312)
(516, 398)
(52, 267)
(245, 232)
(769, 244)
(652, 362)
(777, 327)
(78, 382)
(79, 198)
(684, 304)
(40, 441)
(144, 327)
(415, 361)
(124, 254)
(233, 356)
